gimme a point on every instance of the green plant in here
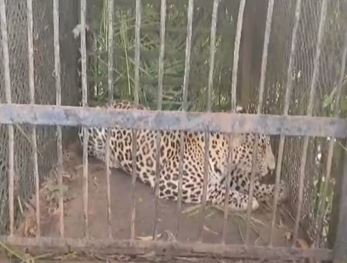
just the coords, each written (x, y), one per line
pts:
(174, 61)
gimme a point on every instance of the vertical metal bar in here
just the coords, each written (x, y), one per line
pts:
(204, 190)
(265, 54)
(136, 99)
(84, 104)
(137, 50)
(159, 107)
(110, 43)
(133, 185)
(237, 53)
(209, 106)
(188, 53)
(32, 101)
(340, 246)
(289, 88)
(157, 182)
(57, 71)
(259, 108)
(190, 13)
(180, 175)
(322, 206)
(233, 109)
(7, 78)
(110, 99)
(161, 54)
(212, 53)
(227, 193)
(313, 88)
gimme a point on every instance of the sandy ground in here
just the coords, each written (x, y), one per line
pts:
(120, 206)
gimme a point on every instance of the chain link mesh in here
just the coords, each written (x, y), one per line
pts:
(329, 71)
(44, 88)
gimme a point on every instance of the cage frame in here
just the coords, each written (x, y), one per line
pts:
(57, 115)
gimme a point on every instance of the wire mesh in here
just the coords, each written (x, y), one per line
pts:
(24, 183)
(311, 63)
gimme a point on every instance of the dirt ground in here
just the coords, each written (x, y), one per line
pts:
(120, 206)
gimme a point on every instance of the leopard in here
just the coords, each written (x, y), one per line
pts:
(219, 164)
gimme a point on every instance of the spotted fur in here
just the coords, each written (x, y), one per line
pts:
(193, 162)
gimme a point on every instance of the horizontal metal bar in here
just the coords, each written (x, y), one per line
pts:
(171, 120)
(160, 248)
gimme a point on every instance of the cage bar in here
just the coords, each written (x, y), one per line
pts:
(32, 101)
(159, 107)
(137, 50)
(174, 120)
(259, 108)
(237, 54)
(209, 107)
(179, 189)
(177, 249)
(7, 78)
(190, 14)
(289, 88)
(133, 184)
(110, 63)
(205, 176)
(233, 109)
(157, 182)
(227, 193)
(322, 207)
(57, 74)
(161, 54)
(313, 88)
(212, 53)
(84, 104)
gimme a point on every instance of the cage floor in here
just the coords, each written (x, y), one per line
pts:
(121, 209)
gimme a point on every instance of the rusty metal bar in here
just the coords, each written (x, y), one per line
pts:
(161, 54)
(205, 176)
(209, 106)
(180, 175)
(212, 53)
(190, 14)
(32, 101)
(237, 54)
(259, 110)
(157, 182)
(233, 109)
(110, 47)
(313, 88)
(227, 193)
(110, 64)
(173, 120)
(57, 72)
(84, 104)
(137, 50)
(193, 249)
(7, 78)
(159, 107)
(133, 184)
(289, 88)
(265, 54)
(322, 208)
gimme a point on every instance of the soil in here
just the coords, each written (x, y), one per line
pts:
(120, 184)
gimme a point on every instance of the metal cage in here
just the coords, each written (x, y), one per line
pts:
(285, 124)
